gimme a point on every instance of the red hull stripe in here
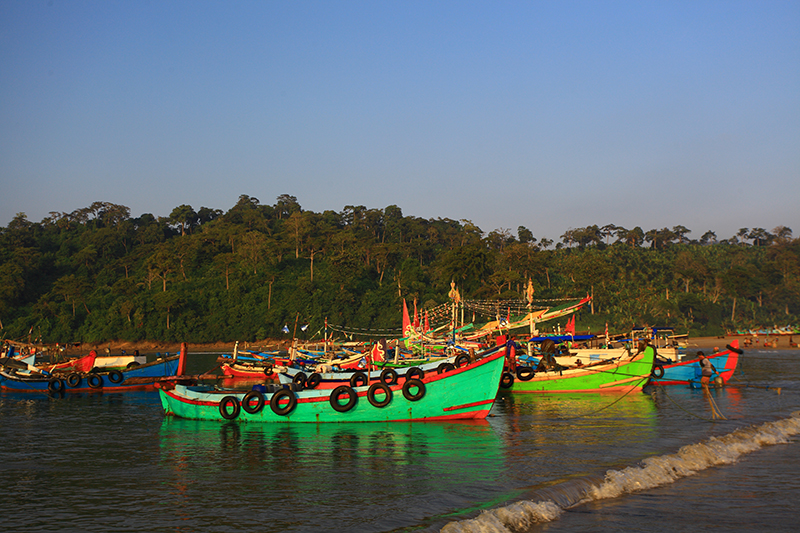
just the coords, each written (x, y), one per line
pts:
(468, 405)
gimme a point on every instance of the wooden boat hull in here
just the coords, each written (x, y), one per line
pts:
(620, 375)
(246, 371)
(331, 380)
(465, 393)
(80, 364)
(688, 372)
(119, 361)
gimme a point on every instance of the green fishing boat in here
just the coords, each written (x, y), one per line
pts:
(618, 374)
(460, 393)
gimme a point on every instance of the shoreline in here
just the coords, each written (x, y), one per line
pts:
(146, 347)
(706, 344)
(715, 344)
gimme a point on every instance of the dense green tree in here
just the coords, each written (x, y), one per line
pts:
(97, 274)
(185, 217)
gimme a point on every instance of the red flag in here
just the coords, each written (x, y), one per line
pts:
(408, 329)
(427, 325)
(570, 327)
(416, 317)
(378, 352)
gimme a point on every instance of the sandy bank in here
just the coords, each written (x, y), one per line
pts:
(711, 344)
(172, 347)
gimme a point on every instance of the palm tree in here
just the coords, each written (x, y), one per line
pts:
(760, 236)
(708, 237)
(608, 230)
(742, 235)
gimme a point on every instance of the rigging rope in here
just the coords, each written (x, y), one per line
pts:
(635, 387)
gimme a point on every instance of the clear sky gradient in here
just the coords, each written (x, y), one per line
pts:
(549, 115)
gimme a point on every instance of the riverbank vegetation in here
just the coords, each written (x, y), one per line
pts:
(97, 274)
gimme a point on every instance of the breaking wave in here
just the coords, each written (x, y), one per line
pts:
(549, 503)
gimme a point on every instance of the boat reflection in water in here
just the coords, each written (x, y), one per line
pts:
(635, 405)
(598, 429)
(305, 476)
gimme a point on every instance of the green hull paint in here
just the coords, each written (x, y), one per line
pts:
(465, 393)
(622, 375)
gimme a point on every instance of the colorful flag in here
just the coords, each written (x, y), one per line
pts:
(570, 327)
(379, 351)
(454, 292)
(408, 329)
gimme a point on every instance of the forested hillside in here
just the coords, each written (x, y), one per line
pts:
(97, 274)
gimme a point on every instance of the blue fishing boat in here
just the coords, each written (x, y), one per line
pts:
(141, 377)
(688, 372)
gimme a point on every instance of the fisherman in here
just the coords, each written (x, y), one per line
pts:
(706, 368)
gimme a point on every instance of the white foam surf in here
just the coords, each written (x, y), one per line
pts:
(652, 472)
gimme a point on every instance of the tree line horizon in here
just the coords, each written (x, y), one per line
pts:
(97, 275)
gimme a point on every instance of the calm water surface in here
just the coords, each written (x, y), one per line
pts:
(655, 461)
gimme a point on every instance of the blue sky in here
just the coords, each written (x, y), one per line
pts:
(548, 115)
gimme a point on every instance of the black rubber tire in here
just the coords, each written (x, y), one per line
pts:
(223, 409)
(734, 350)
(415, 372)
(132, 364)
(525, 373)
(358, 376)
(445, 367)
(55, 385)
(375, 387)
(268, 370)
(657, 372)
(94, 381)
(413, 396)
(247, 402)
(462, 360)
(73, 380)
(352, 398)
(389, 376)
(506, 380)
(274, 402)
(313, 381)
(300, 378)
(115, 376)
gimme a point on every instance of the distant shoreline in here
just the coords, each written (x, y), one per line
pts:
(778, 342)
(707, 344)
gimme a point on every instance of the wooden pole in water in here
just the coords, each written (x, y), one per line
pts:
(182, 360)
